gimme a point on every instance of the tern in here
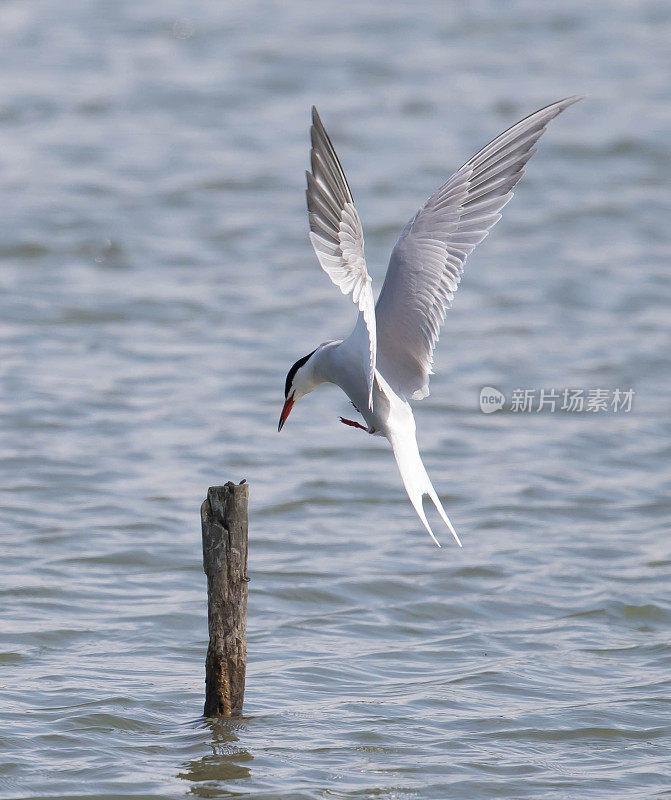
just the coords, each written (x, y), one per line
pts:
(387, 359)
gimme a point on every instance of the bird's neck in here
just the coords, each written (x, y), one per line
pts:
(322, 362)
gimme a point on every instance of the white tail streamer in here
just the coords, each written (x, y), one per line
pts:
(416, 480)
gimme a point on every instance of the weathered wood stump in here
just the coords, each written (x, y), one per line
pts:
(225, 528)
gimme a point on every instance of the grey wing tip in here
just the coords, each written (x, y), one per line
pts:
(554, 109)
(569, 101)
(317, 130)
(562, 105)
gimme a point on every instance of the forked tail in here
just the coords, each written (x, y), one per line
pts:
(416, 480)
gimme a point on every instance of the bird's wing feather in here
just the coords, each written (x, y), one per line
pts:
(427, 262)
(337, 235)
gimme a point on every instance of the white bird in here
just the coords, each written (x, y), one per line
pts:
(386, 361)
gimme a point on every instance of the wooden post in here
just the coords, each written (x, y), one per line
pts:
(225, 527)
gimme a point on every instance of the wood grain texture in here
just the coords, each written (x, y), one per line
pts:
(225, 531)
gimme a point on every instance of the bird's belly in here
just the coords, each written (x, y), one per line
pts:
(387, 406)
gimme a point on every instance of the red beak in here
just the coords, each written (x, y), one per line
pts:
(286, 410)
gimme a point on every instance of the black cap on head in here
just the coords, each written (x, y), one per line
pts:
(293, 371)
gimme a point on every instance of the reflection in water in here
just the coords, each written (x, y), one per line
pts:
(224, 763)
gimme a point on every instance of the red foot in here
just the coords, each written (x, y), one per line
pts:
(354, 424)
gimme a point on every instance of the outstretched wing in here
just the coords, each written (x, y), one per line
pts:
(427, 262)
(336, 233)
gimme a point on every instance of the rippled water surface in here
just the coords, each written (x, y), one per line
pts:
(156, 283)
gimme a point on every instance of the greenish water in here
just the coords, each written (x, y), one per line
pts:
(156, 283)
